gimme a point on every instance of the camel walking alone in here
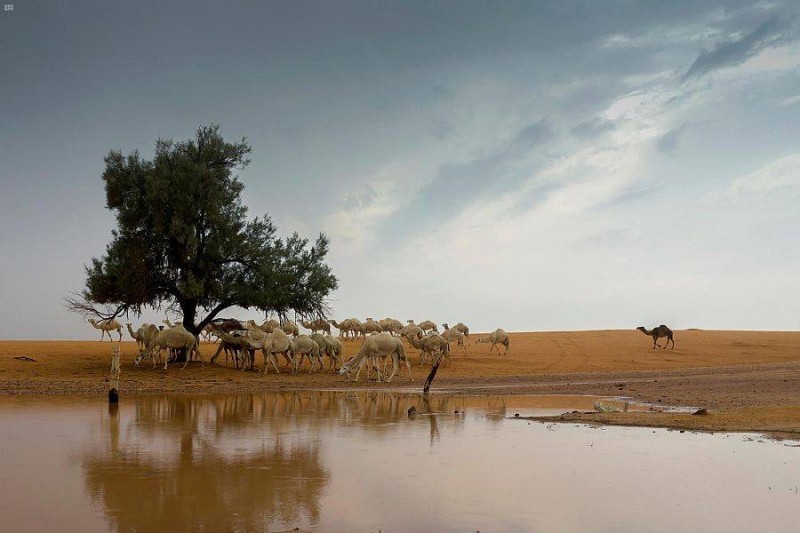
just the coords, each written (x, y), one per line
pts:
(498, 336)
(107, 326)
(657, 333)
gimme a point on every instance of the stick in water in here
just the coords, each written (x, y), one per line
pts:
(113, 391)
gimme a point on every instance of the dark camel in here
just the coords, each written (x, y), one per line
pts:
(657, 333)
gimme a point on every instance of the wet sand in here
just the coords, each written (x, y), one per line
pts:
(748, 381)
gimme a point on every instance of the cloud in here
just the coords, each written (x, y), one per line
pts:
(456, 186)
(668, 142)
(737, 51)
(591, 129)
(792, 100)
(780, 175)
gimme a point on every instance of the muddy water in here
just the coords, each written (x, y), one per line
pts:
(326, 461)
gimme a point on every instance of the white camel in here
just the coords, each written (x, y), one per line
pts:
(412, 329)
(498, 336)
(454, 335)
(317, 325)
(433, 346)
(428, 326)
(137, 335)
(175, 338)
(329, 346)
(290, 328)
(369, 327)
(305, 346)
(377, 346)
(391, 325)
(107, 326)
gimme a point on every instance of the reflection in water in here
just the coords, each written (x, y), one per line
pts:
(196, 485)
(356, 461)
(177, 468)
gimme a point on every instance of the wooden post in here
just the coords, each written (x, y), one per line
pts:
(113, 383)
(432, 373)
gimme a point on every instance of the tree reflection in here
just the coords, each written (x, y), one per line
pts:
(196, 485)
(235, 462)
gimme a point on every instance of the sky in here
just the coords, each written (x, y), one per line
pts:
(527, 165)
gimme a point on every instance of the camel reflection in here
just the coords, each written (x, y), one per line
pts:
(237, 462)
(189, 483)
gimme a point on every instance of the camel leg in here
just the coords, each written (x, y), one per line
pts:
(395, 368)
(120, 334)
(274, 362)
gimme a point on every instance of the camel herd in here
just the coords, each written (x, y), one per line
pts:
(381, 342)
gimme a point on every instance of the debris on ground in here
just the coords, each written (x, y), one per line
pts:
(601, 407)
(25, 358)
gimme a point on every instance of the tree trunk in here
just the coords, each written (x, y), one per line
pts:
(189, 310)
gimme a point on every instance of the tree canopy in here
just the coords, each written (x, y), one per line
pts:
(183, 240)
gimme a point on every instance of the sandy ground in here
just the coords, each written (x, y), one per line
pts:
(748, 381)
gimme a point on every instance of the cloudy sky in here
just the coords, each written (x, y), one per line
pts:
(529, 165)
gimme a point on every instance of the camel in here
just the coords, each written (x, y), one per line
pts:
(248, 342)
(355, 326)
(498, 336)
(428, 326)
(375, 346)
(412, 329)
(107, 326)
(462, 328)
(137, 335)
(317, 326)
(232, 344)
(270, 324)
(348, 328)
(267, 327)
(219, 326)
(330, 347)
(305, 346)
(337, 348)
(391, 325)
(270, 344)
(369, 327)
(657, 333)
(453, 335)
(144, 335)
(430, 345)
(175, 338)
(277, 342)
(290, 328)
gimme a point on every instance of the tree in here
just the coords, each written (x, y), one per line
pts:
(183, 240)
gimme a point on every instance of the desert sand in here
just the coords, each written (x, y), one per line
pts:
(747, 380)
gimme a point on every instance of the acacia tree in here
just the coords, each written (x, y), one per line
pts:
(183, 240)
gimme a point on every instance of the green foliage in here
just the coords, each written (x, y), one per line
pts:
(183, 238)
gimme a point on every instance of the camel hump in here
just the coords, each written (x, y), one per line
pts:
(662, 326)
